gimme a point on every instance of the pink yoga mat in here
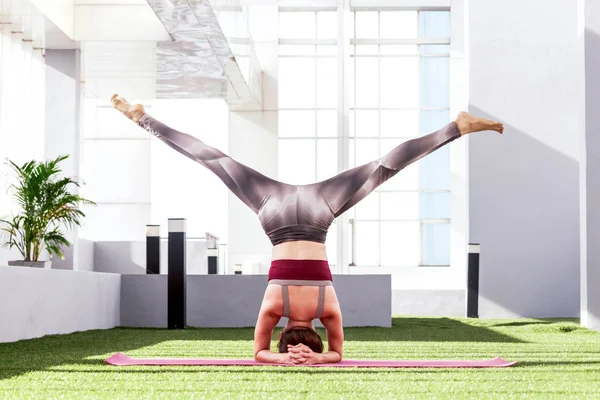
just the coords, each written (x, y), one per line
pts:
(121, 359)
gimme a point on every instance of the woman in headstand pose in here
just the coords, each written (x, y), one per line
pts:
(296, 219)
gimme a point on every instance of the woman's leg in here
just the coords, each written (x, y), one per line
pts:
(247, 184)
(344, 190)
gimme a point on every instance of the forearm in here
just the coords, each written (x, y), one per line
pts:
(267, 356)
(329, 357)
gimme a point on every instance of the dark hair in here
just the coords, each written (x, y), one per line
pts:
(300, 334)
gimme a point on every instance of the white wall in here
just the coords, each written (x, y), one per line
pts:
(129, 258)
(523, 201)
(37, 302)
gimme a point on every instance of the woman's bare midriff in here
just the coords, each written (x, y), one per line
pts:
(303, 299)
(299, 250)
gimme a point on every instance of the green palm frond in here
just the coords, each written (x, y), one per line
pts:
(47, 203)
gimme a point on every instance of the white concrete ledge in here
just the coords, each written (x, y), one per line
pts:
(37, 302)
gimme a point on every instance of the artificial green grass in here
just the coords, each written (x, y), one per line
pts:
(557, 359)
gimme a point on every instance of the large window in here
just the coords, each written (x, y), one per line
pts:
(398, 89)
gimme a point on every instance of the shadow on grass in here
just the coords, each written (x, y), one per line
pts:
(528, 323)
(51, 352)
(558, 363)
(428, 330)
(54, 350)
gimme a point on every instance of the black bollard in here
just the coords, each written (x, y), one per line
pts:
(473, 281)
(176, 279)
(212, 253)
(152, 249)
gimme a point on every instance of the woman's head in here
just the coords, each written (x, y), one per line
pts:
(300, 334)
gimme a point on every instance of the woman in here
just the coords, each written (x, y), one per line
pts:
(296, 219)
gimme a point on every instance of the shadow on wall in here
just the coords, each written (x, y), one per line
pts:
(524, 210)
(123, 257)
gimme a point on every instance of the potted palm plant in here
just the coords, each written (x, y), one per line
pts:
(46, 205)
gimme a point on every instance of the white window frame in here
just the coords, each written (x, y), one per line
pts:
(430, 277)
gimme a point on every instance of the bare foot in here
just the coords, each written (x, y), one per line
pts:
(134, 113)
(468, 123)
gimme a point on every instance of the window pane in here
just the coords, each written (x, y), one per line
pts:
(404, 123)
(327, 25)
(326, 158)
(435, 82)
(297, 25)
(434, 24)
(244, 64)
(327, 123)
(368, 208)
(350, 81)
(399, 82)
(327, 83)
(398, 49)
(434, 170)
(436, 244)
(367, 25)
(434, 49)
(367, 150)
(407, 179)
(367, 82)
(227, 22)
(297, 161)
(296, 123)
(367, 243)
(398, 24)
(352, 153)
(296, 49)
(398, 205)
(366, 49)
(431, 121)
(241, 24)
(296, 82)
(331, 244)
(435, 205)
(367, 123)
(400, 243)
(327, 50)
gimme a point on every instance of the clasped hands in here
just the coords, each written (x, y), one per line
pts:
(302, 354)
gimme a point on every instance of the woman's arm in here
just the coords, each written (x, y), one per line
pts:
(335, 337)
(267, 320)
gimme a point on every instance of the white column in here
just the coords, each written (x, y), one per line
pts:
(590, 164)
(62, 132)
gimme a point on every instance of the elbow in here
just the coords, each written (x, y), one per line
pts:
(259, 357)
